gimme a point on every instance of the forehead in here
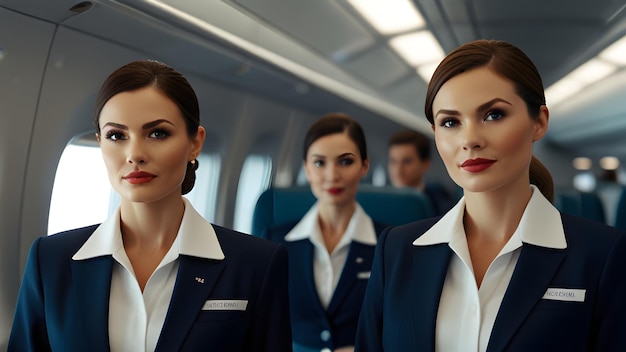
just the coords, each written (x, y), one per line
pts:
(474, 87)
(140, 106)
(405, 149)
(333, 145)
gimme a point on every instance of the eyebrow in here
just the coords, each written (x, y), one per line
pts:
(338, 156)
(482, 107)
(146, 126)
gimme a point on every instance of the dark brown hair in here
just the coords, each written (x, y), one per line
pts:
(509, 62)
(336, 123)
(414, 138)
(144, 73)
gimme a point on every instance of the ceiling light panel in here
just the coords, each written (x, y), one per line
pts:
(616, 53)
(592, 71)
(417, 48)
(389, 16)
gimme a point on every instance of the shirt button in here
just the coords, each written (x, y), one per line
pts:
(325, 336)
(325, 350)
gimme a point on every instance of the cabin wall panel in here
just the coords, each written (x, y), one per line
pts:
(22, 66)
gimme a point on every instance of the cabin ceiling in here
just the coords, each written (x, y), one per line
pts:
(311, 52)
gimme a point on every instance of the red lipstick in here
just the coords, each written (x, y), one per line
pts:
(476, 165)
(139, 177)
(335, 191)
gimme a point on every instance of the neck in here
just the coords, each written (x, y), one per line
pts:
(334, 221)
(495, 215)
(151, 226)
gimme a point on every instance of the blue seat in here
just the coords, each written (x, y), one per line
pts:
(584, 204)
(387, 205)
(620, 211)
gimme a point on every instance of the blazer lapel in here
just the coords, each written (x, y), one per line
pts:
(92, 285)
(359, 261)
(535, 268)
(301, 277)
(430, 266)
(194, 282)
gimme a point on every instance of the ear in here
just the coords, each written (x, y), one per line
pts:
(365, 167)
(98, 138)
(197, 142)
(541, 123)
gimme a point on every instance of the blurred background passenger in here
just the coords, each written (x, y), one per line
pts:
(408, 162)
(332, 246)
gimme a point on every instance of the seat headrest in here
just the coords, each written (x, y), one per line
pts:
(387, 205)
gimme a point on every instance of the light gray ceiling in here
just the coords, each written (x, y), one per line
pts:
(321, 55)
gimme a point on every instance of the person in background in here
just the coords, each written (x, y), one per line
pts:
(332, 246)
(408, 162)
(155, 276)
(503, 270)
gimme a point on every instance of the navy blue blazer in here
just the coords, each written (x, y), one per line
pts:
(408, 280)
(312, 326)
(63, 304)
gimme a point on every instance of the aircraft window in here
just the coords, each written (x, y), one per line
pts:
(254, 179)
(203, 196)
(379, 176)
(82, 194)
(301, 178)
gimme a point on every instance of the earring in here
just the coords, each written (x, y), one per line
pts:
(193, 162)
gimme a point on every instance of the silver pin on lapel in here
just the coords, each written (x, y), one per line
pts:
(200, 280)
(359, 260)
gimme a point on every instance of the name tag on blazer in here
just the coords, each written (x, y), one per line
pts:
(565, 294)
(225, 304)
(363, 275)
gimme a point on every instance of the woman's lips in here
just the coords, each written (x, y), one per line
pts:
(334, 191)
(476, 165)
(139, 177)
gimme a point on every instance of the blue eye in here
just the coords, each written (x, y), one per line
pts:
(346, 161)
(494, 115)
(449, 122)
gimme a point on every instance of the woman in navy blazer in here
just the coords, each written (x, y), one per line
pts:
(332, 246)
(155, 276)
(503, 270)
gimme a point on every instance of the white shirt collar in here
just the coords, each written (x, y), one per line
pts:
(540, 224)
(196, 237)
(360, 228)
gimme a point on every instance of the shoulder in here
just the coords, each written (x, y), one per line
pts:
(67, 241)
(587, 234)
(397, 236)
(277, 233)
(237, 244)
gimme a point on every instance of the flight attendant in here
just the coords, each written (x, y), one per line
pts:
(332, 246)
(155, 276)
(503, 270)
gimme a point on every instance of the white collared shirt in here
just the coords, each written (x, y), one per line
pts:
(136, 319)
(327, 267)
(467, 313)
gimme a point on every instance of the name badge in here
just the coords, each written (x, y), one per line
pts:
(565, 294)
(225, 304)
(363, 275)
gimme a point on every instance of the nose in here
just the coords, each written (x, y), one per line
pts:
(332, 171)
(472, 137)
(136, 153)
